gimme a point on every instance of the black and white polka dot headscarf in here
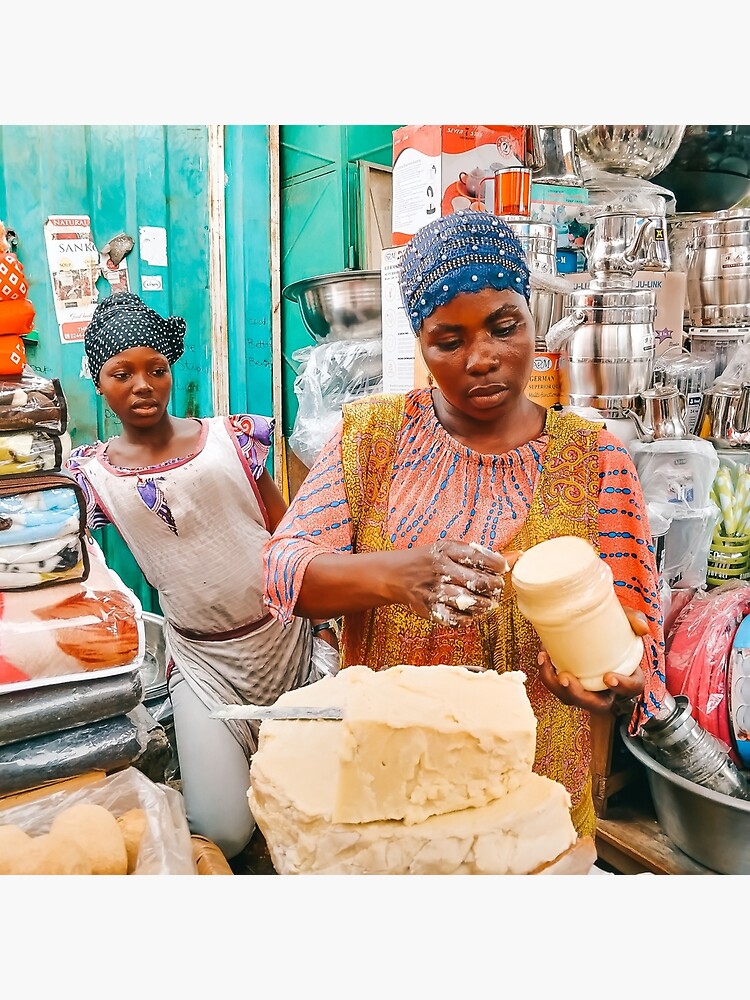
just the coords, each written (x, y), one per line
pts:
(122, 321)
(462, 252)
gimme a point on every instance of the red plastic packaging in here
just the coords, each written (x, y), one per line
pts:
(698, 650)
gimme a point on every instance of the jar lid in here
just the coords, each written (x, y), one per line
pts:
(554, 561)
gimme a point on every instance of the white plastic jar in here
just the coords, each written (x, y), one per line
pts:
(567, 593)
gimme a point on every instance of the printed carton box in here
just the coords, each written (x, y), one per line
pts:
(439, 169)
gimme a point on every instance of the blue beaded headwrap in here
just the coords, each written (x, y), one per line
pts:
(462, 252)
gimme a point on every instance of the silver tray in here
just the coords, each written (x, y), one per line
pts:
(710, 827)
(55, 704)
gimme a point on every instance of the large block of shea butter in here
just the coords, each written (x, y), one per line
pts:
(414, 742)
(513, 835)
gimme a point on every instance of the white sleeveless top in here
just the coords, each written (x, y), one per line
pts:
(196, 528)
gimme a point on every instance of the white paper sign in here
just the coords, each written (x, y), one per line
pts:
(153, 244)
(399, 342)
(151, 282)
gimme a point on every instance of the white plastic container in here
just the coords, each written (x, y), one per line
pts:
(718, 344)
(567, 593)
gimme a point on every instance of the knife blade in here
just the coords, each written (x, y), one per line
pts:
(262, 712)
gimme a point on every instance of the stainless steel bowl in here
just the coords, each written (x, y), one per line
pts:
(634, 150)
(710, 827)
(341, 306)
(154, 664)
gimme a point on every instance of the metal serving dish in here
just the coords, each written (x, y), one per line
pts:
(341, 306)
(634, 150)
(710, 827)
(154, 664)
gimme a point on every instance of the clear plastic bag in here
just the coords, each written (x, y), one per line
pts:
(325, 660)
(329, 376)
(71, 628)
(612, 194)
(737, 369)
(686, 542)
(677, 471)
(165, 849)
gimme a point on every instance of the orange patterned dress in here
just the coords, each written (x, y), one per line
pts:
(392, 477)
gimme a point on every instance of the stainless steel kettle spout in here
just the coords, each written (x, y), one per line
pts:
(645, 434)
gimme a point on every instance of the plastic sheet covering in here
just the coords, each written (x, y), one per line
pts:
(676, 471)
(30, 401)
(110, 745)
(615, 194)
(22, 452)
(73, 628)
(698, 652)
(330, 375)
(686, 542)
(737, 370)
(49, 706)
(165, 849)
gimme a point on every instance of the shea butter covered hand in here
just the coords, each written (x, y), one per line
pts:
(569, 690)
(451, 581)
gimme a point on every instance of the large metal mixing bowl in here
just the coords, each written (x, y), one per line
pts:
(710, 827)
(633, 150)
(341, 306)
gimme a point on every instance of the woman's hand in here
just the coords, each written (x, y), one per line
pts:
(450, 582)
(569, 691)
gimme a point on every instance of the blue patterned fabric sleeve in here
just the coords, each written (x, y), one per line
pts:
(625, 542)
(254, 436)
(95, 516)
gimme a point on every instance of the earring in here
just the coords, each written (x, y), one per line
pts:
(430, 379)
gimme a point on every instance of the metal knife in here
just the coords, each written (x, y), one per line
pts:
(262, 712)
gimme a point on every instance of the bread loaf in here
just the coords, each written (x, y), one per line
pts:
(98, 833)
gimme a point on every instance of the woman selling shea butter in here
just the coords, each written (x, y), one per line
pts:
(402, 523)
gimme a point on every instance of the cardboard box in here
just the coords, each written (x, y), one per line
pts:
(559, 205)
(670, 288)
(399, 342)
(437, 170)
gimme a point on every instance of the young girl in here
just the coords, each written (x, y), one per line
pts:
(193, 501)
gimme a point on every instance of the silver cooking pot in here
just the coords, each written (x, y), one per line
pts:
(718, 270)
(539, 242)
(606, 347)
(724, 416)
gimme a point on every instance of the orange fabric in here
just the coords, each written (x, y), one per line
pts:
(16, 316)
(13, 283)
(12, 355)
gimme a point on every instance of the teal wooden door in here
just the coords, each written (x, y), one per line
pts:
(123, 177)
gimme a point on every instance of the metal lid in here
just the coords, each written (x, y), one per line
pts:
(736, 220)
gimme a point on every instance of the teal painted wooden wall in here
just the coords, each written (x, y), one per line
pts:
(321, 217)
(123, 177)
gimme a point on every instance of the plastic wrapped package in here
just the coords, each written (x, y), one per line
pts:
(73, 628)
(331, 374)
(109, 745)
(687, 542)
(34, 451)
(678, 471)
(42, 527)
(32, 401)
(165, 848)
(37, 708)
(698, 650)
